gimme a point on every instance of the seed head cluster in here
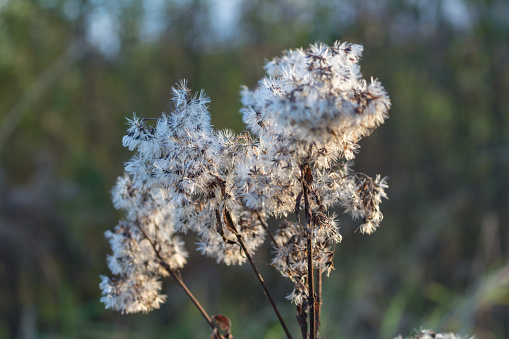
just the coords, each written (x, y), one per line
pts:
(305, 119)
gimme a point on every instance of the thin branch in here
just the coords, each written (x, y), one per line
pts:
(311, 287)
(307, 179)
(176, 275)
(319, 300)
(231, 226)
(303, 321)
(297, 207)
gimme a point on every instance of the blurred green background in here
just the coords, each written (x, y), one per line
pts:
(71, 71)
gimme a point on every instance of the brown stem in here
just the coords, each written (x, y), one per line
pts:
(318, 300)
(303, 321)
(176, 275)
(311, 289)
(231, 227)
(306, 181)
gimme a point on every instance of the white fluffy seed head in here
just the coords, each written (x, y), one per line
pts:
(305, 120)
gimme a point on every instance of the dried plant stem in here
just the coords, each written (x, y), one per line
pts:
(176, 275)
(303, 321)
(233, 228)
(318, 299)
(307, 179)
(311, 287)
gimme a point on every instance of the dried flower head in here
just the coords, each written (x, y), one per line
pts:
(305, 119)
(312, 107)
(308, 115)
(135, 262)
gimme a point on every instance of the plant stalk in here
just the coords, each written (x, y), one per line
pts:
(176, 275)
(303, 321)
(319, 300)
(306, 181)
(232, 227)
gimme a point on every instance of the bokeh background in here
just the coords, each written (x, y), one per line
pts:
(71, 71)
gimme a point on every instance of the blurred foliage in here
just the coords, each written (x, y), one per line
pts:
(71, 71)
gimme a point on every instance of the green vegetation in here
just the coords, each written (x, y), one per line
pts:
(440, 258)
